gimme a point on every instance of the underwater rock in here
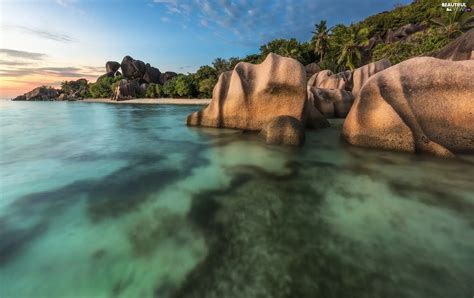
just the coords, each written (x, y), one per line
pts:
(283, 130)
(251, 95)
(420, 105)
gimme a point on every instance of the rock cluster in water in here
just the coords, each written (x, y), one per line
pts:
(420, 105)
(137, 75)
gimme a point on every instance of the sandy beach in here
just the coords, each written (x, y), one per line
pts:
(167, 101)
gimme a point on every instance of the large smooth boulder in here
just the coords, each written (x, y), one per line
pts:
(332, 103)
(461, 48)
(311, 69)
(283, 130)
(250, 95)
(133, 69)
(38, 94)
(363, 73)
(152, 74)
(167, 76)
(328, 80)
(420, 105)
(126, 90)
(112, 66)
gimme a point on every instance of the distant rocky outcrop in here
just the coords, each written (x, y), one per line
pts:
(126, 90)
(283, 130)
(461, 48)
(133, 69)
(112, 67)
(363, 73)
(332, 103)
(152, 74)
(402, 33)
(249, 96)
(420, 105)
(39, 94)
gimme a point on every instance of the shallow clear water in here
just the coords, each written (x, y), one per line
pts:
(105, 200)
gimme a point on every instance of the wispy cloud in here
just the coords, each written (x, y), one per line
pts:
(22, 54)
(60, 37)
(13, 63)
(63, 72)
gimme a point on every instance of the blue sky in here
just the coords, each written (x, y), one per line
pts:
(47, 41)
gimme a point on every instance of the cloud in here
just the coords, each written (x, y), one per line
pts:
(258, 21)
(63, 72)
(22, 54)
(13, 63)
(44, 33)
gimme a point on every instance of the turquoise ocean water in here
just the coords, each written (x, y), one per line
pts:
(105, 200)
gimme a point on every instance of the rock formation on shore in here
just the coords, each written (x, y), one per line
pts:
(420, 105)
(250, 95)
(332, 103)
(363, 73)
(462, 48)
(39, 94)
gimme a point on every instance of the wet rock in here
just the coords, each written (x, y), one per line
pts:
(283, 130)
(250, 95)
(409, 107)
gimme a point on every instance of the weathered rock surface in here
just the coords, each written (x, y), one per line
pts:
(283, 130)
(133, 69)
(420, 105)
(38, 94)
(112, 67)
(311, 69)
(332, 103)
(328, 80)
(403, 32)
(126, 90)
(250, 95)
(152, 74)
(459, 49)
(363, 73)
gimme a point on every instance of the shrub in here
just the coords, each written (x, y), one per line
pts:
(169, 89)
(184, 86)
(104, 86)
(206, 87)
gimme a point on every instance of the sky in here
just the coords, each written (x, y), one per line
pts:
(44, 42)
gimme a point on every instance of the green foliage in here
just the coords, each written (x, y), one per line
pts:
(78, 87)
(348, 43)
(184, 86)
(320, 40)
(169, 89)
(159, 91)
(420, 44)
(221, 65)
(302, 52)
(103, 87)
(206, 87)
(455, 23)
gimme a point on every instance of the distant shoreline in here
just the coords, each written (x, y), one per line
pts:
(166, 101)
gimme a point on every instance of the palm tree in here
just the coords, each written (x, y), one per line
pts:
(350, 46)
(320, 39)
(455, 23)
